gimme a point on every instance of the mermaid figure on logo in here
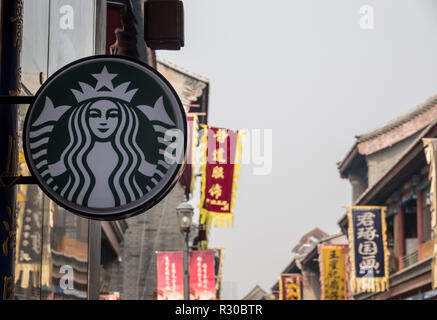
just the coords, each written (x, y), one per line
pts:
(102, 157)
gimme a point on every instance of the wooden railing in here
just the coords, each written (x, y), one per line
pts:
(424, 251)
(408, 260)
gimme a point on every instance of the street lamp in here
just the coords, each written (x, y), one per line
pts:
(185, 214)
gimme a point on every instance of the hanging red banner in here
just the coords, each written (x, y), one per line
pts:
(334, 269)
(290, 286)
(170, 282)
(222, 149)
(202, 277)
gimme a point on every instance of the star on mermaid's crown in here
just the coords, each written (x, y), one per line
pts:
(104, 80)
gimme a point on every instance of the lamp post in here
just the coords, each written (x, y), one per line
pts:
(185, 214)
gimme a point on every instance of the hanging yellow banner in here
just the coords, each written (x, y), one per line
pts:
(290, 286)
(333, 261)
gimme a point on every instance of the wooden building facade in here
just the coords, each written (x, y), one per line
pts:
(387, 167)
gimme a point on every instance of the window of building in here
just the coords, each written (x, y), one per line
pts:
(410, 227)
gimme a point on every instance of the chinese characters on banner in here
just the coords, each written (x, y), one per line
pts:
(333, 261)
(430, 154)
(222, 149)
(170, 282)
(368, 249)
(202, 277)
(290, 286)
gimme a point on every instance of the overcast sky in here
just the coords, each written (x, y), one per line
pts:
(306, 70)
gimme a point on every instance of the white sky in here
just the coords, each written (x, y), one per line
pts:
(306, 70)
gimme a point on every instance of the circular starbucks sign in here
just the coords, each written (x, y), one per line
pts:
(106, 137)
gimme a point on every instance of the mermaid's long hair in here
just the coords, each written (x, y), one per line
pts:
(122, 180)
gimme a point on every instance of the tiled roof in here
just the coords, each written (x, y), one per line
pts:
(429, 103)
(257, 293)
(181, 70)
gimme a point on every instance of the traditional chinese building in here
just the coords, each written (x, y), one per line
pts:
(257, 293)
(310, 266)
(303, 264)
(387, 167)
(158, 229)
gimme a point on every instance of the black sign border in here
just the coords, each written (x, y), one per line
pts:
(125, 213)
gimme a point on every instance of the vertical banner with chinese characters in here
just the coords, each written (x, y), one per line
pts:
(333, 262)
(222, 149)
(202, 278)
(368, 249)
(290, 286)
(218, 266)
(170, 283)
(430, 155)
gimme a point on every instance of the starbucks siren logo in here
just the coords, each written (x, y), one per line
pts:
(101, 151)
